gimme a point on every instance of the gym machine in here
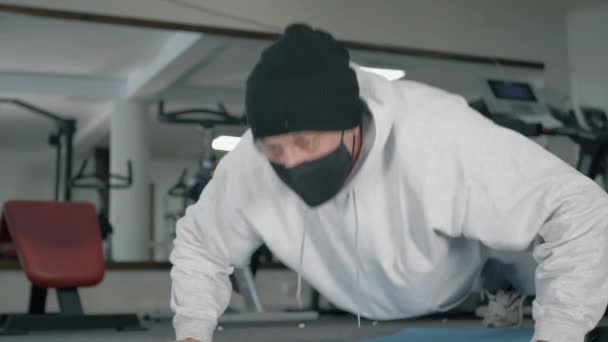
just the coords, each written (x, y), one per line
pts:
(102, 183)
(21, 224)
(592, 141)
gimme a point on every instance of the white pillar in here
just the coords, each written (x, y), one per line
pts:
(130, 208)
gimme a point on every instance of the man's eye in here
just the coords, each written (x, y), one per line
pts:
(305, 143)
(273, 150)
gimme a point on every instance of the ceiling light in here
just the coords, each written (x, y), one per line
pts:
(225, 143)
(390, 74)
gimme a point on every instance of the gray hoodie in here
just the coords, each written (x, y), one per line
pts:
(439, 185)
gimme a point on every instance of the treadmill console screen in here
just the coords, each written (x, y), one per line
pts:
(512, 91)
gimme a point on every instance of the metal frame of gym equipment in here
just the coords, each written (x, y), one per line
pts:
(243, 277)
(71, 315)
(102, 183)
(593, 142)
(63, 140)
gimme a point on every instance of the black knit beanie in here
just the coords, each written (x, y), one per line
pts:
(302, 82)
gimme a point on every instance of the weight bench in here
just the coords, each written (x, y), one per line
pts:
(59, 246)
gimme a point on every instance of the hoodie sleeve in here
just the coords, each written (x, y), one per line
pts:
(211, 237)
(514, 194)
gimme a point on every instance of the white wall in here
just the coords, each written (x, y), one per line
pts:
(588, 53)
(24, 176)
(29, 173)
(145, 291)
(587, 27)
(517, 29)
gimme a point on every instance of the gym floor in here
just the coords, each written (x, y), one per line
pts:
(326, 329)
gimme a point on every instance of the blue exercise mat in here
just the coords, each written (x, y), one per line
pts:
(459, 335)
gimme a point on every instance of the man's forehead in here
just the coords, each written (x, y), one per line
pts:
(290, 135)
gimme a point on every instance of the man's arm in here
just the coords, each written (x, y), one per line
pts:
(514, 193)
(211, 237)
(571, 278)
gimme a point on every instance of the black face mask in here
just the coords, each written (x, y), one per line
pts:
(319, 180)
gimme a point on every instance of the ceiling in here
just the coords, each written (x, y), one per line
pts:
(39, 55)
(80, 69)
(228, 65)
(35, 44)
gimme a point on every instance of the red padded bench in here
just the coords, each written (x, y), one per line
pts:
(59, 246)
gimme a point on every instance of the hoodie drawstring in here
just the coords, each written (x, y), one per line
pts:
(357, 264)
(300, 269)
(357, 261)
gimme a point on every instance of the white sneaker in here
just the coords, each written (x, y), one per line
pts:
(504, 309)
